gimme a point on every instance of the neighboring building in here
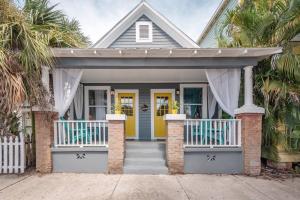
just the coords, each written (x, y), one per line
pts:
(208, 37)
(123, 89)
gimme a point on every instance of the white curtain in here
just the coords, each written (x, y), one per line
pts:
(212, 103)
(78, 102)
(225, 86)
(65, 83)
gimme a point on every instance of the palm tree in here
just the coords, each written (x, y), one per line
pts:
(271, 23)
(25, 37)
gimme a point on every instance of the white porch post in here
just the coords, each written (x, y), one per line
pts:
(251, 117)
(248, 85)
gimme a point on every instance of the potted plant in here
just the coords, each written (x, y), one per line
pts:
(175, 107)
(118, 108)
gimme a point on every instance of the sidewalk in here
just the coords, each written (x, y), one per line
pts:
(100, 186)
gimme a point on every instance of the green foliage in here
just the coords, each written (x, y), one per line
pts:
(271, 23)
(26, 35)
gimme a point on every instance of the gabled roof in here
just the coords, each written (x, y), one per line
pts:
(144, 8)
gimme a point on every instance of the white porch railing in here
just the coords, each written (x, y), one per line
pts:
(74, 133)
(212, 133)
(12, 154)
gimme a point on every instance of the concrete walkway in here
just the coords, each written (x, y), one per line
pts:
(100, 186)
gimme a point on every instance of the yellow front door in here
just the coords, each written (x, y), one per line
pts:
(127, 101)
(162, 106)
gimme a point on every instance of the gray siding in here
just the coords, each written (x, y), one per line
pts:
(160, 38)
(84, 160)
(210, 40)
(144, 98)
(213, 161)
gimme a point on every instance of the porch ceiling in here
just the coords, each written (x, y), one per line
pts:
(160, 58)
(143, 75)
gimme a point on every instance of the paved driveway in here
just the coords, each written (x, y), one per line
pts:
(100, 186)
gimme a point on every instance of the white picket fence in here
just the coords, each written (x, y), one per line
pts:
(12, 154)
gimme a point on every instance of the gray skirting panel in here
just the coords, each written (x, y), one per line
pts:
(87, 159)
(213, 160)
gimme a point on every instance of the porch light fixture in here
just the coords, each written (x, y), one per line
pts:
(112, 92)
(177, 91)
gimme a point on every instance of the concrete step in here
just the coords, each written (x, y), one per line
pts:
(145, 161)
(145, 145)
(144, 153)
(145, 170)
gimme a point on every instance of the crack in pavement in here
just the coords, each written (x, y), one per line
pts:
(177, 179)
(15, 183)
(110, 196)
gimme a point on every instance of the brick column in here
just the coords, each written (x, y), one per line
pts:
(174, 143)
(44, 132)
(116, 143)
(251, 142)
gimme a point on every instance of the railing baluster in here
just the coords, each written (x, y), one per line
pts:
(72, 133)
(91, 133)
(215, 130)
(230, 132)
(104, 133)
(55, 139)
(206, 132)
(187, 131)
(86, 133)
(197, 134)
(201, 132)
(225, 132)
(210, 134)
(239, 132)
(234, 132)
(220, 132)
(192, 132)
(68, 133)
(77, 133)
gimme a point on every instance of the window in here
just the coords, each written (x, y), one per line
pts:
(194, 100)
(143, 31)
(97, 102)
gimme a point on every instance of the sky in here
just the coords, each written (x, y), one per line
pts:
(99, 16)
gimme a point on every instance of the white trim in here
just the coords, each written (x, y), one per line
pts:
(153, 91)
(137, 31)
(116, 117)
(136, 92)
(145, 9)
(204, 96)
(86, 89)
(175, 117)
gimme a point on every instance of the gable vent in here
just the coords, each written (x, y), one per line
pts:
(144, 31)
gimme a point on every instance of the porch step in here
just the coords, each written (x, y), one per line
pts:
(145, 158)
(145, 161)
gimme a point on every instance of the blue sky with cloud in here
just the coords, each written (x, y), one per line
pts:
(98, 16)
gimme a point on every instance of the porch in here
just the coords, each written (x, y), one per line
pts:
(146, 82)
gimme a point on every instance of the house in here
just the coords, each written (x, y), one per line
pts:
(115, 108)
(208, 37)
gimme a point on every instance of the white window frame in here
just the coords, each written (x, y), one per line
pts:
(86, 99)
(137, 28)
(204, 97)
